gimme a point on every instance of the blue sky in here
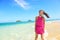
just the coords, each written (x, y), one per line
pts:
(12, 10)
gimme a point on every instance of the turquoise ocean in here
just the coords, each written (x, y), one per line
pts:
(24, 22)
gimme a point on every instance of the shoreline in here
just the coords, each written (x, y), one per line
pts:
(26, 31)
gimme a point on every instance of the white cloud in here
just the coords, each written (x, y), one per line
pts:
(23, 4)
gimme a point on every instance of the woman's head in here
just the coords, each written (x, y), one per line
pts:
(41, 13)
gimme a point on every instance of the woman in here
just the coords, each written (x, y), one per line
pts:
(40, 24)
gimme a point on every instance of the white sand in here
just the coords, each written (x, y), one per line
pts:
(26, 32)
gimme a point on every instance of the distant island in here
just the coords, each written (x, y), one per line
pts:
(29, 20)
(18, 21)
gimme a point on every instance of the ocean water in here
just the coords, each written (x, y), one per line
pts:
(16, 30)
(13, 23)
(24, 22)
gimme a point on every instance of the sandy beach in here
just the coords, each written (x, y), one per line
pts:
(26, 31)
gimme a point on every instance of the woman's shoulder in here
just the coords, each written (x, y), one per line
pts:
(36, 17)
(43, 18)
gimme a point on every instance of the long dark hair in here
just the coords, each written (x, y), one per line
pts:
(44, 13)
